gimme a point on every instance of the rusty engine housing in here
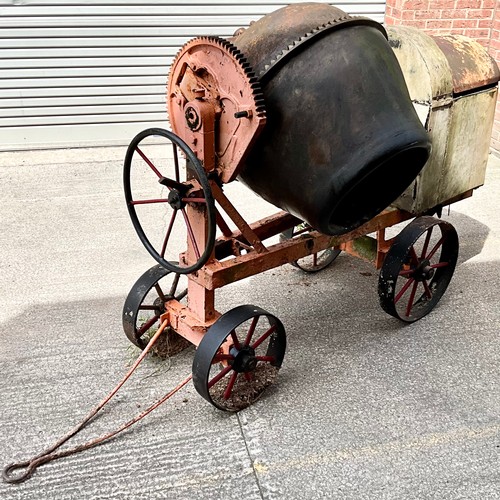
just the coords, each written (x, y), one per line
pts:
(342, 139)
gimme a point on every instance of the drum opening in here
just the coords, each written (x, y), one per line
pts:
(383, 184)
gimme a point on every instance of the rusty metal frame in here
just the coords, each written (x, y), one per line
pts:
(229, 264)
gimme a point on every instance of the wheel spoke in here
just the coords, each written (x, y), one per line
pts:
(406, 272)
(426, 243)
(146, 326)
(315, 259)
(175, 283)
(236, 342)
(230, 385)
(160, 293)
(427, 289)
(439, 264)
(413, 255)
(435, 249)
(219, 376)
(167, 236)
(194, 200)
(146, 202)
(222, 357)
(412, 299)
(191, 234)
(147, 308)
(263, 337)
(403, 290)
(251, 330)
(149, 162)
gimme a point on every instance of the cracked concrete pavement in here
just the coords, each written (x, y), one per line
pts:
(365, 407)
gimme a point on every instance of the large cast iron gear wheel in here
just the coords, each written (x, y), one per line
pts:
(212, 71)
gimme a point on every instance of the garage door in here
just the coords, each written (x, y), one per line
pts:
(90, 73)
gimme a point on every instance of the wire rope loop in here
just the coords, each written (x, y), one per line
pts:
(9, 475)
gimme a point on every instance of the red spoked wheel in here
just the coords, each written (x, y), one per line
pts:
(418, 268)
(315, 262)
(144, 306)
(239, 357)
(169, 200)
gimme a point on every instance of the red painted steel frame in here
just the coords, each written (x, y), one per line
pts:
(231, 265)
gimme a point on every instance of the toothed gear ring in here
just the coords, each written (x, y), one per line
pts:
(210, 75)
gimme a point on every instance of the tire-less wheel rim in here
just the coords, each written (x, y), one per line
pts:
(144, 306)
(418, 268)
(315, 262)
(239, 357)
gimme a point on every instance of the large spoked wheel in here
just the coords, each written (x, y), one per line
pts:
(239, 357)
(169, 201)
(418, 268)
(144, 306)
(314, 262)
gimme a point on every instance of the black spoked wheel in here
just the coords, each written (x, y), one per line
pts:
(418, 268)
(314, 262)
(167, 194)
(239, 357)
(144, 306)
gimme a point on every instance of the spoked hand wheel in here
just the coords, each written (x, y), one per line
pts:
(239, 357)
(314, 262)
(169, 200)
(418, 268)
(144, 306)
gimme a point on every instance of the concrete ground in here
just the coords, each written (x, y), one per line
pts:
(365, 407)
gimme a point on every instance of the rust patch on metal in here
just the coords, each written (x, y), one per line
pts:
(471, 66)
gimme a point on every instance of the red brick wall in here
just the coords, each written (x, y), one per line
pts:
(478, 19)
(494, 49)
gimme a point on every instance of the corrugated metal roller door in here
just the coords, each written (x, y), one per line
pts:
(78, 73)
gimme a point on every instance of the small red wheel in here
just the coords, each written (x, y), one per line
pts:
(144, 306)
(159, 187)
(316, 261)
(418, 268)
(239, 357)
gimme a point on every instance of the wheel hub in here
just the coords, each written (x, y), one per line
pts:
(424, 271)
(244, 359)
(159, 305)
(175, 200)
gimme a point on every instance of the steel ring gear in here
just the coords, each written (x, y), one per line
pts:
(212, 72)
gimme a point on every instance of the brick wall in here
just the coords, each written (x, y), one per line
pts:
(494, 49)
(478, 19)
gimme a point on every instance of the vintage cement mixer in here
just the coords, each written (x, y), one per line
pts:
(308, 107)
